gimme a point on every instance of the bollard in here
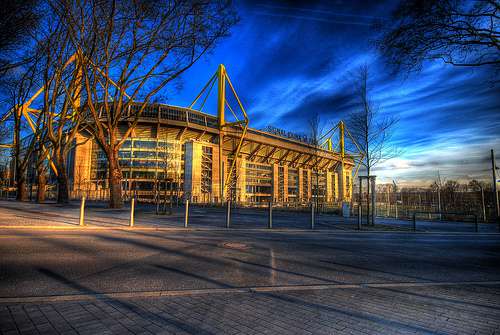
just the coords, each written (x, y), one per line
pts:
(414, 222)
(312, 215)
(157, 200)
(82, 212)
(359, 217)
(476, 223)
(270, 221)
(228, 214)
(186, 214)
(132, 205)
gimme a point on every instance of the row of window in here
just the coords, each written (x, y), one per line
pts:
(259, 167)
(176, 115)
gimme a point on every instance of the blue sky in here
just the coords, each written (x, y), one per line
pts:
(289, 60)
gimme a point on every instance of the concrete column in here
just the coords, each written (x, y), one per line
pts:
(300, 196)
(340, 172)
(285, 181)
(329, 187)
(275, 182)
(309, 185)
(192, 172)
(82, 162)
(215, 174)
(345, 183)
(335, 186)
(241, 181)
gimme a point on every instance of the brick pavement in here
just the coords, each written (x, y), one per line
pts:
(456, 309)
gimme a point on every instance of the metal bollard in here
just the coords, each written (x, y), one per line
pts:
(414, 222)
(312, 215)
(157, 210)
(228, 214)
(359, 217)
(186, 214)
(270, 220)
(82, 212)
(132, 205)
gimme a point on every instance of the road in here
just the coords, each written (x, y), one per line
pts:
(213, 282)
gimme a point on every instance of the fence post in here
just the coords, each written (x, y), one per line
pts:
(270, 221)
(132, 205)
(414, 221)
(186, 214)
(82, 212)
(312, 215)
(228, 214)
(359, 217)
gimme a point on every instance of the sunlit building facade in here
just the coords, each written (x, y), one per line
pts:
(174, 153)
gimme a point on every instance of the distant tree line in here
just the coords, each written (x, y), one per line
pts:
(450, 196)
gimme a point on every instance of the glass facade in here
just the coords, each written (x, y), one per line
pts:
(145, 163)
(293, 184)
(259, 178)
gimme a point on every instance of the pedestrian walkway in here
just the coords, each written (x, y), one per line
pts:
(97, 215)
(462, 309)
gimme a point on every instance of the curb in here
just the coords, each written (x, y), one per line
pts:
(278, 230)
(230, 290)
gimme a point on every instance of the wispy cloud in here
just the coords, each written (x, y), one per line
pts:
(289, 62)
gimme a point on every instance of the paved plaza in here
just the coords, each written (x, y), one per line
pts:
(97, 215)
(241, 281)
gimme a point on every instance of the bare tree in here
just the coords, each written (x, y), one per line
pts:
(369, 128)
(315, 133)
(41, 168)
(458, 32)
(21, 87)
(129, 51)
(479, 186)
(5, 139)
(61, 107)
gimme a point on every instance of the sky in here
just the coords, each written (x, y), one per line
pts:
(290, 60)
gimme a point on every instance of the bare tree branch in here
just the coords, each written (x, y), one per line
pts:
(460, 33)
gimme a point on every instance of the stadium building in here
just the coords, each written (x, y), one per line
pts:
(176, 151)
(183, 153)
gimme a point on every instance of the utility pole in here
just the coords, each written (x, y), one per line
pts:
(482, 202)
(495, 191)
(439, 195)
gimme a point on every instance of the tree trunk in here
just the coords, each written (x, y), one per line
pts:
(22, 192)
(115, 181)
(62, 181)
(41, 183)
(62, 188)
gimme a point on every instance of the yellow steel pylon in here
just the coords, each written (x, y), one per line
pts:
(326, 143)
(221, 77)
(25, 109)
